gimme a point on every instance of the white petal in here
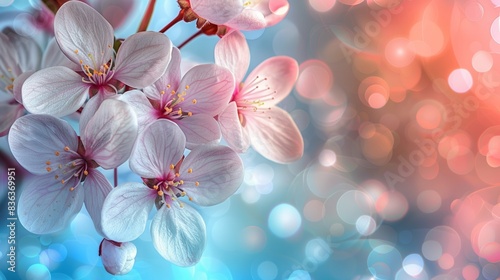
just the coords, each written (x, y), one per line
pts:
(161, 144)
(29, 53)
(36, 139)
(110, 134)
(83, 34)
(179, 234)
(18, 85)
(53, 56)
(96, 188)
(217, 11)
(231, 129)
(168, 81)
(9, 113)
(218, 171)
(47, 206)
(233, 53)
(142, 59)
(57, 91)
(142, 107)
(125, 211)
(275, 135)
(199, 129)
(249, 19)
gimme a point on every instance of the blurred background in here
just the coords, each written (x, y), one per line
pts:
(398, 103)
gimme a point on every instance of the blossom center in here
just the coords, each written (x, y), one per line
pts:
(260, 94)
(7, 78)
(97, 74)
(170, 105)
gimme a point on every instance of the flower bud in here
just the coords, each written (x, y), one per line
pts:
(118, 258)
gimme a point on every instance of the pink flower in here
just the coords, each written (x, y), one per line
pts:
(208, 175)
(49, 147)
(191, 103)
(86, 38)
(235, 14)
(251, 118)
(21, 56)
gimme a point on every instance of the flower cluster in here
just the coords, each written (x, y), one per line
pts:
(134, 104)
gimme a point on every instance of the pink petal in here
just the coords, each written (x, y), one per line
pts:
(210, 85)
(125, 211)
(53, 56)
(96, 188)
(28, 52)
(217, 11)
(83, 34)
(35, 139)
(178, 234)
(217, 169)
(275, 135)
(142, 59)
(277, 10)
(110, 134)
(47, 206)
(233, 53)
(142, 107)
(231, 129)
(271, 81)
(199, 129)
(161, 144)
(89, 111)
(9, 113)
(249, 19)
(57, 91)
(168, 81)
(115, 11)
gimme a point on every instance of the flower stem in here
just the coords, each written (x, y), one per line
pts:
(147, 16)
(115, 176)
(178, 18)
(190, 38)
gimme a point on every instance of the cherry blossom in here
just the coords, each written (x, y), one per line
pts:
(117, 258)
(191, 103)
(208, 175)
(65, 164)
(252, 117)
(86, 38)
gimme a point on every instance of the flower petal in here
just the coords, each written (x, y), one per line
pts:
(47, 206)
(35, 139)
(161, 144)
(83, 34)
(217, 11)
(179, 234)
(274, 10)
(110, 134)
(249, 19)
(233, 53)
(125, 211)
(271, 81)
(57, 91)
(8, 59)
(96, 188)
(210, 85)
(18, 85)
(231, 129)
(217, 169)
(118, 259)
(199, 129)
(53, 56)
(142, 107)
(9, 113)
(29, 53)
(168, 81)
(142, 59)
(275, 135)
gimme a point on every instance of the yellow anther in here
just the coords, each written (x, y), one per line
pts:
(167, 110)
(48, 169)
(162, 92)
(172, 92)
(190, 114)
(47, 162)
(190, 170)
(105, 66)
(179, 111)
(160, 193)
(71, 189)
(183, 193)
(168, 205)
(81, 61)
(168, 86)
(155, 187)
(76, 51)
(177, 174)
(190, 198)
(66, 148)
(172, 166)
(181, 205)
(85, 172)
(197, 183)
(62, 181)
(181, 182)
(73, 164)
(195, 101)
(187, 87)
(56, 177)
